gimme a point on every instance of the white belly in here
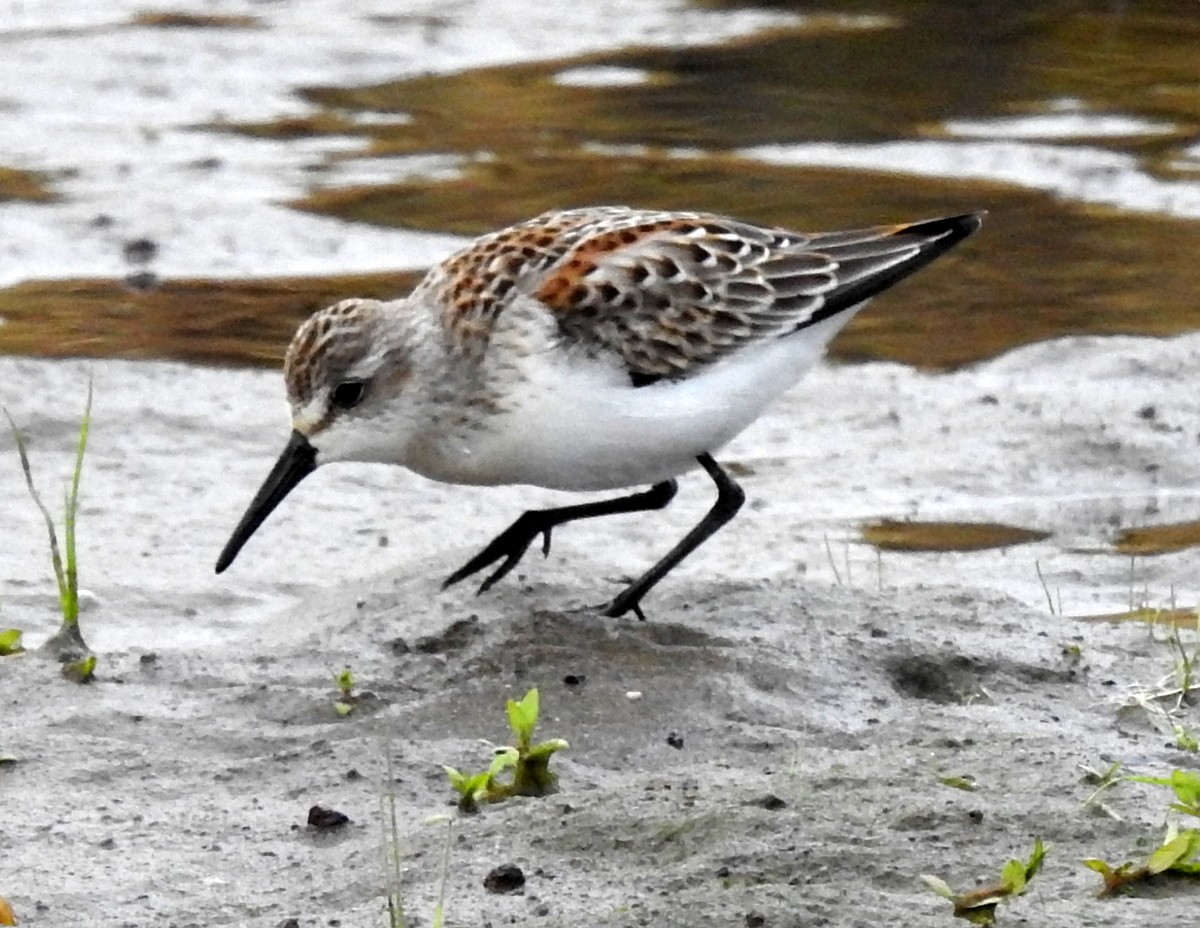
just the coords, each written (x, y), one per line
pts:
(583, 427)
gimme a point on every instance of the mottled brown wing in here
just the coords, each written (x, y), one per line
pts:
(672, 293)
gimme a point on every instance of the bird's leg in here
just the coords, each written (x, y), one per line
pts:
(514, 541)
(730, 497)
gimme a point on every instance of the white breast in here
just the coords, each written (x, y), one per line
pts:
(581, 426)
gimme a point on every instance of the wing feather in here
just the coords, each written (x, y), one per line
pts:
(669, 293)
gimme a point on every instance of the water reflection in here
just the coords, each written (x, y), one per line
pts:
(1075, 123)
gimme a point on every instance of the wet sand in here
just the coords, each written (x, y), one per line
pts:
(175, 788)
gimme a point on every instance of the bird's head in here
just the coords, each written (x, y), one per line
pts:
(346, 370)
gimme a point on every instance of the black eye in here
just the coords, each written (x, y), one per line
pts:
(348, 393)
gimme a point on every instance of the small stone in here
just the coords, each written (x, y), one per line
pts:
(675, 740)
(108, 844)
(141, 281)
(289, 923)
(754, 920)
(633, 695)
(149, 659)
(140, 251)
(770, 802)
(320, 817)
(574, 679)
(507, 878)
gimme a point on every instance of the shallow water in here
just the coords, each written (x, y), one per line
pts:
(1075, 124)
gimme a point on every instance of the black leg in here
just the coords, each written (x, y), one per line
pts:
(730, 497)
(514, 541)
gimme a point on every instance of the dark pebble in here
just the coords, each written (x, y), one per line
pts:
(141, 281)
(754, 920)
(140, 251)
(770, 802)
(507, 878)
(320, 817)
(675, 740)
(574, 679)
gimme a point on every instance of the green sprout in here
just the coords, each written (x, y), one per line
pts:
(1186, 786)
(1102, 780)
(80, 670)
(532, 775)
(67, 645)
(1178, 855)
(10, 642)
(484, 786)
(346, 698)
(978, 906)
(529, 762)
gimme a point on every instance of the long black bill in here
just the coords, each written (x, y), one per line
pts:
(299, 459)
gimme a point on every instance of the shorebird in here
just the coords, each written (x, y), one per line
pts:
(587, 349)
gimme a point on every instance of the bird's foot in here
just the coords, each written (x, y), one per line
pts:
(511, 545)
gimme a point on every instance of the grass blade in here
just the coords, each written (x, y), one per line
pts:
(55, 556)
(71, 599)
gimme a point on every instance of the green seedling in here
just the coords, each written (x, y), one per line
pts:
(477, 788)
(1102, 780)
(346, 699)
(67, 645)
(1185, 666)
(529, 762)
(1178, 855)
(81, 670)
(967, 784)
(532, 775)
(978, 906)
(1185, 738)
(1186, 786)
(10, 642)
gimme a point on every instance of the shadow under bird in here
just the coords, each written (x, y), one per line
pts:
(590, 349)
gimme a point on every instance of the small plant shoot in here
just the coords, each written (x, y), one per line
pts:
(81, 670)
(10, 642)
(529, 763)
(346, 700)
(66, 645)
(1178, 855)
(1186, 786)
(978, 906)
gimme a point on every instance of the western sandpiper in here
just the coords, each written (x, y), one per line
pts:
(589, 349)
